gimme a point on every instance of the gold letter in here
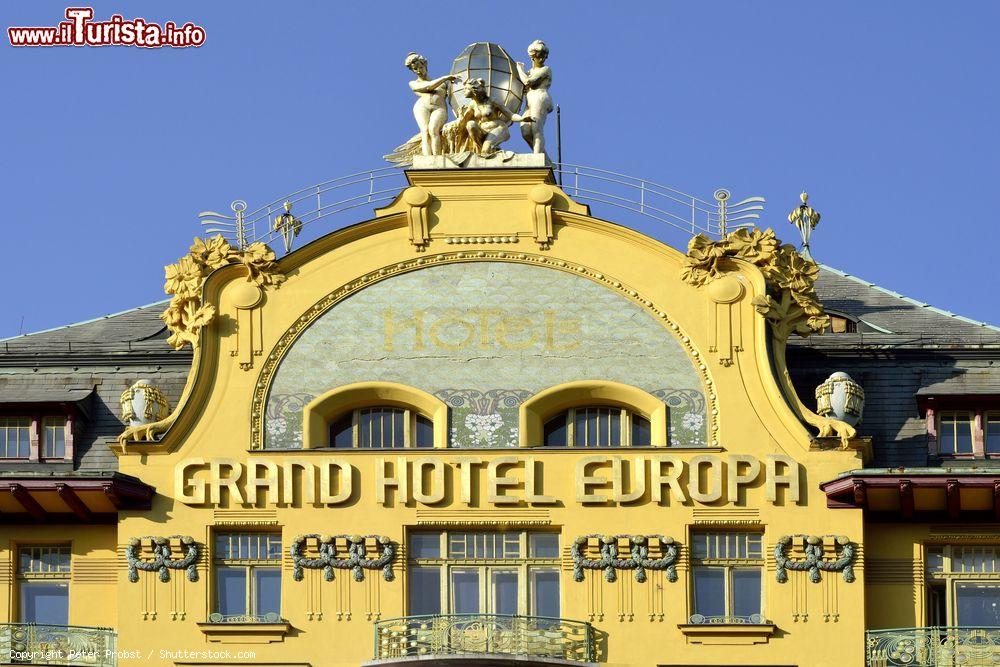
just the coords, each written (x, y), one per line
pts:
(657, 480)
(401, 482)
(420, 493)
(269, 482)
(197, 495)
(496, 484)
(345, 483)
(218, 481)
(390, 324)
(585, 481)
(308, 494)
(736, 479)
(465, 464)
(714, 478)
(618, 479)
(791, 478)
(529, 485)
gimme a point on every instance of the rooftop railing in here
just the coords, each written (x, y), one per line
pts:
(934, 646)
(452, 634)
(34, 644)
(377, 187)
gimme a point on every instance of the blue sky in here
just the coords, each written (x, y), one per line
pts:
(886, 112)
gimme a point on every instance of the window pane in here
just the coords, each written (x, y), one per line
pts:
(267, 583)
(342, 431)
(231, 591)
(641, 431)
(54, 437)
(505, 592)
(425, 591)
(555, 432)
(44, 602)
(977, 604)
(424, 437)
(992, 432)
(710, 591)
(543, 545)
(963, 435)
(746, 592)
(425, 545)
(545, 593)
(465, 591)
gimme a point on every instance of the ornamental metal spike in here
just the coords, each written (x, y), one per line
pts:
(805, 218)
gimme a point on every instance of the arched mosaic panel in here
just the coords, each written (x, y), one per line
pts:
(483, 337)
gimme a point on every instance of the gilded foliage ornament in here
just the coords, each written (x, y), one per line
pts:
(357, 560)
(638, 558)
(186, 314)
(814, 562)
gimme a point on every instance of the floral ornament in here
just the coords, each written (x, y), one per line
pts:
(184, 280)
(356, 560)
(814, 562)
(638, 559)
(792, 306)
(162, 562)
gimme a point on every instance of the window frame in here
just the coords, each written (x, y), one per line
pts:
(59, 575)
(949, 577)
(36, 417)
(625, 425)
(526, 566)
(410, 418)
(729, 565)
(981, 412)
(250, 565)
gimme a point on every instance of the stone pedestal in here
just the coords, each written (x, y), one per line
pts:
(472, 161)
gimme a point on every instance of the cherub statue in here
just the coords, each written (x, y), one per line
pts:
(430, 109)
(483, 120)
(538, 102)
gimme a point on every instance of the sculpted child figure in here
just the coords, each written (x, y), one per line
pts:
(430, 110)
(538, 102)
(484, 120)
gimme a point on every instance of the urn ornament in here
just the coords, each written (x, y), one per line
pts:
(143, 403)
(841, 398)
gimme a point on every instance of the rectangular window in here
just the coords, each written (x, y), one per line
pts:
(43, 584)
(459, 572)
(247, 578)
(54, 437)
(726, 577)
(955, 433)
(991, 432)
(963, 583)
(15, 437)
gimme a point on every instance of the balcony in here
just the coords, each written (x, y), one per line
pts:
(933, 647)
(31, 644)
(483, 639)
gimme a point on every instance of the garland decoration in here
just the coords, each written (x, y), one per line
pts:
(357, 551)
(814, 562)
(162, 562)
(637, 560)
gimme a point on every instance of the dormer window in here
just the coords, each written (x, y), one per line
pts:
(597, 426)
(15, 437)
(381, 427)
(955, 429)
(841, 324)
(961, 426)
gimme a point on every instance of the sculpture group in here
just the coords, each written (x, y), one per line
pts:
(480, 125)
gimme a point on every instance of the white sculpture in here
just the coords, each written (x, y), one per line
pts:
(538, 102)
(485, 121)
(143, 403)
(840, 397)
(430, 110)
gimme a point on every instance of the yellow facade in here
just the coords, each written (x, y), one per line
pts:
(758, 469)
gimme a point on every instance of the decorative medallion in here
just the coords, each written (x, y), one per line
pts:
(638, 558)
(162, 562)
(356, 561)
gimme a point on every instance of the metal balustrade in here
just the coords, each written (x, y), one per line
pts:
(451, 634)
(378, 187)
(933, 646)
(35, 644)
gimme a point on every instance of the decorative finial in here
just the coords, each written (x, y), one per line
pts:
(805, 218)
(288, 225)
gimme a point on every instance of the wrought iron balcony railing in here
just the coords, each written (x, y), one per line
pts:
(933, 647)
(532, 636)
(31, 644)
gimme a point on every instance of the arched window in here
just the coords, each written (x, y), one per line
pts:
(597, 426)
(381, 427)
